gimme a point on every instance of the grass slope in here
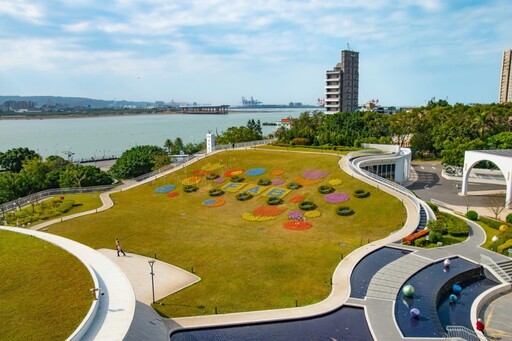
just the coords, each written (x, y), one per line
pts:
(244, 265)
(44, 291)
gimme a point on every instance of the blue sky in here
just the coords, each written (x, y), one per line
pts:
(215, 51)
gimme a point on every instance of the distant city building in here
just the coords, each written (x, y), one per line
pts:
(342, 84)
(506, 78)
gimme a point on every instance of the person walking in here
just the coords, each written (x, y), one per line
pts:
(119, 248)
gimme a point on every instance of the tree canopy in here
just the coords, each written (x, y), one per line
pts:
(138, 160)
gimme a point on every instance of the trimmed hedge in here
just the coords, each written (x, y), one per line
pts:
(434, 207)
(274, 201)
(505, 246)
(361, 193)
(65, 206)
(212, 176)
(264, 182)
(215, 192)
(509, 218)
(307, 206)
(344, 211)
(325, 189)
(492, 223)
(472, 215)
(294, 185)
(237, 178)
(190, 188)
(244, 196)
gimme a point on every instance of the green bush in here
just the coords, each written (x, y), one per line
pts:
(492, 223)
(65, 205)
(459, 230)
(237, 178)
(264, 182)
(434, 207)
(435, 237)
(438, 226)
(472, 215)
(190, 188)
(505, 246)
(274, 201)
(244, 196)
(215, 192)
(307, 206)
(294, 185)
(509, 218)
(361, 193)
(344, 211)
(325, 189)
(212, 176)
(420, 241)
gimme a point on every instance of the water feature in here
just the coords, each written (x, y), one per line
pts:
(105, 136)
(346, 323)
(432, 290)
(368, 267)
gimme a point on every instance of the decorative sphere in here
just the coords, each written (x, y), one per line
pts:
(503, 228)
(415, 313)
(456, 289)
(453, 298)
(495, 239)
(408, 290)
(446, 262)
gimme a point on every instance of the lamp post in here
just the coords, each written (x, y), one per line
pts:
(151, 263)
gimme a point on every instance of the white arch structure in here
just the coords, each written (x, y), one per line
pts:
(501, 158)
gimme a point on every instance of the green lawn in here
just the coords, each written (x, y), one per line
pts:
(44, 291)
(243, 265)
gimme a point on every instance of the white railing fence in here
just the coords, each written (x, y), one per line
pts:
(462, 332)
(485, 260)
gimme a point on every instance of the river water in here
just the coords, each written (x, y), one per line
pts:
(110, 136)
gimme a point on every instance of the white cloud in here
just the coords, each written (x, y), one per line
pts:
(22, 9)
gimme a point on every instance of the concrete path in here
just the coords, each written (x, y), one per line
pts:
(168, 278)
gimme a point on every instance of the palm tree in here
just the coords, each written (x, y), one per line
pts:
(168, 145)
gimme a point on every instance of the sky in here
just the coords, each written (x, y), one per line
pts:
(216, 51)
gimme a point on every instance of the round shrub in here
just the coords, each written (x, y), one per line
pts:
(307, 206)
(244, 196)
(325, 189)
(509, 218)
(434, 207)
(274, 201)
(361, 193)
(215, 192)
(237, 178)
(264, 182)
(472, 215)
(344, 211)
(190, 188)
(294, 185)
(212, 176)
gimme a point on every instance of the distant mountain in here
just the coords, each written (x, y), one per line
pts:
(74, 101)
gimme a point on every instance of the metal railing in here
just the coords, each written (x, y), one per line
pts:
(485, 260)
(462, 332)
(15, 204)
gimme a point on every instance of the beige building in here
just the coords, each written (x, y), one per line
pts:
(342, 84)
(506, 78)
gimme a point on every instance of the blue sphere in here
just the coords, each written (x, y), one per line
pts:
(456, 289)
(453, 298)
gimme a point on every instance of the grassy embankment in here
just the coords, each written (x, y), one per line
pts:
(44, 291)
(243, 265)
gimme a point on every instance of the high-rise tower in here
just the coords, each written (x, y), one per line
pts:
(506, 78)
(342, 84)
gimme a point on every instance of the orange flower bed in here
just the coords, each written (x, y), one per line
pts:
(268, 211)
(305, 182)
(277, 172)
(412, 237)
(297, 198)
(173, 194)
(297, 225)
(236, 171)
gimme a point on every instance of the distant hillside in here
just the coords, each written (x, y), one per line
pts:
(74, 101)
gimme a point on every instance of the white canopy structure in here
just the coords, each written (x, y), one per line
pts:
(501, 158)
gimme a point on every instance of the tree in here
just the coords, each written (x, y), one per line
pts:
(12, 160)
(136, 161)
(238, 134)
(495, 203)
(502, 140)
(168, 145)
(177, 146)
(83, 176)
(453, 152)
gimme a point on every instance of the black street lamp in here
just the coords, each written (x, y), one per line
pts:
(151, 263)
